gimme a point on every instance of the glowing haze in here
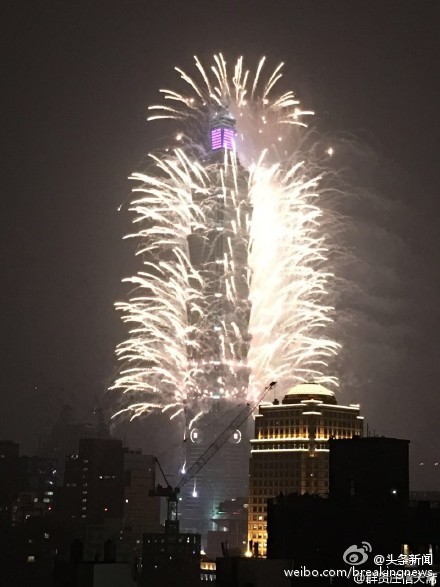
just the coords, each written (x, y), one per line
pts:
(232, 287)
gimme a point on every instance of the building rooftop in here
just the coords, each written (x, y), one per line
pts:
(307, 391)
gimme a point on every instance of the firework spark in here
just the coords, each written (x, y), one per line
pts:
(234, 274)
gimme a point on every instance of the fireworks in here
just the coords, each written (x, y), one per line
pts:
(233, 284)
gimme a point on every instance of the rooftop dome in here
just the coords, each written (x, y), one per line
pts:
(305, 391)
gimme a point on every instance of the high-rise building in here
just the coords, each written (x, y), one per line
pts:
(141, 511)
(170, 558)
(222, 131)
(38, 488)
(373, 468)
(290, 451)
(9, 478)
(224, 477)
(93, 488)
(231, 522)
(27, 485)
(367, 503)
(219, 352)
(63, 439)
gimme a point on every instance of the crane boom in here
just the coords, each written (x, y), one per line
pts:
(172, 523)
(222, 439)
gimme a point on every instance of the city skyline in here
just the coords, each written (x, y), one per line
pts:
(74, 132)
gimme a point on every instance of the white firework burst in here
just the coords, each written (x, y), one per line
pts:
(233, 286)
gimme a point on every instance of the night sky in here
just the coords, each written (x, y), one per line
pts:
(77, 78)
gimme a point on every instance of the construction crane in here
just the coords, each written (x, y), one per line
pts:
(172, 493)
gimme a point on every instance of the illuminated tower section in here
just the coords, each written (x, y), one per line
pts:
(219, 254)
(222, 131)
(290, 452)
(218, 251)
(224, 477)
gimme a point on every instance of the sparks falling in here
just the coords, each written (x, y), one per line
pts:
(234, 271)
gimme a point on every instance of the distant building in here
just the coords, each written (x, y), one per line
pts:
(224, 477)
(9, 478)
(105, 498)
(367, 503)
(290, 452)
(93, 488)
(28, 527)
(169, 559)
(27, 485)
(252, 572)
(63, 440)
(9, 451)
(25, 506)
(231, 521)
(433, 497)
(40, 475)
(207, 570)
(141, 512)
(70, 495)
(315, 531)
(372, 468)
(93, 574)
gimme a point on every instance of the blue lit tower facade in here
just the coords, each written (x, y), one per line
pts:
(222, 371)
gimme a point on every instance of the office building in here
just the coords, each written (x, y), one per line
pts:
(9, 478)
(169, 559)
(372, 468)
(290, 451)
(218, 251)
(93, 488)
(141, 511)
(231, 534)
(224, 477)
(367, 504)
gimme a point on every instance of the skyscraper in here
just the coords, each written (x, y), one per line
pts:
(218, 249)
(231, 293)
(224, 477)
(290, 451)
(220, 357)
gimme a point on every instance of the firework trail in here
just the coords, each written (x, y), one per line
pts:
(233, 287)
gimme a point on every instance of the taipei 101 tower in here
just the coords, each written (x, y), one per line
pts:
(216, 255)
(231, 293)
